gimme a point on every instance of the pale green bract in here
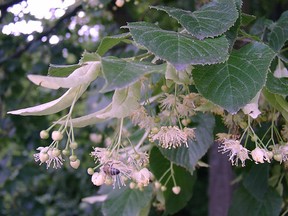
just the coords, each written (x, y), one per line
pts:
(77, 83)
(124, 102)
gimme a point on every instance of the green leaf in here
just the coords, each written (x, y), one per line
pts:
(247, 19)
(232, 33)
(277, 85)
(235, 83)
(278, 102)
(243, 203)
(87, 57)
(127, 202)
(209, 21)
(179, 49)
(173, 202)
(119, 73)
(256, 181)
(188, 157)
(62, 70)
(279, 33)
(111, 41)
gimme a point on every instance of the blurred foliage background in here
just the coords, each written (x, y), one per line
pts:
(62, 36)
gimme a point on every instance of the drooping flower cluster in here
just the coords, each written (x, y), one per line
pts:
(48, 156)
(117, 169)
(172, 136)
(236, 151)
(142, 119)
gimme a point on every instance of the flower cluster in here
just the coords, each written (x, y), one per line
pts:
(117, 169)
(172, 136)
(142, 119)
(48, 155)
(236, 151)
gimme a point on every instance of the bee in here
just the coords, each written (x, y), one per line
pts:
(110, 170)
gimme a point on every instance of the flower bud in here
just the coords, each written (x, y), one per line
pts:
(119, 3)
(270, 154)
(277, 157)
(96, 138)
(154, 130)
(56, 152)
(73, 158)
(176, 190)
(75, 164)
(164, 88)
(57, 135)
(65, 152)
(98, 179)
(90, 171)
(163, 188)
(157, 185)
(132, 185)
(44, 134)
(184, 122)
(73, 145)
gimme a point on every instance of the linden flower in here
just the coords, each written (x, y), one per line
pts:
(142, 177)
(280, 152)
(190, 133)
(169, 101)
(47, 156)
(260, 155)
(101, 154)
(236, 151)
(142, 119)
(117, 171)
(77, 82)
(170, 137)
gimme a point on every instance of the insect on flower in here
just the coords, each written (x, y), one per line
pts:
(108, 169)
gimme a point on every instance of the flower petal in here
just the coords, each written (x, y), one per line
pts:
(280, 71)
(252, 108)
(85, 74)
(53, 106)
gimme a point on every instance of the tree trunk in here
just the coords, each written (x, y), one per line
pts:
(220, 188)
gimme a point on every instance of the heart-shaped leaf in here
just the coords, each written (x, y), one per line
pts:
(127, 202)
(183, 178)
(119, 73)
(277, 85)
(235, 83)
(277, 101)
(211, 20)
(111, 41)
(244, 203)
(179, 49)
(279, 33)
